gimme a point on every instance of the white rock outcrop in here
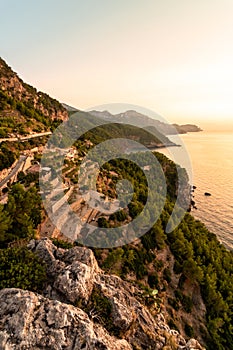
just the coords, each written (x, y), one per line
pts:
(53, 321)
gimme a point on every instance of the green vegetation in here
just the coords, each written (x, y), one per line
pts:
(23, 108)
(62, 244)
(199, 258)
(115, 130)
(20, 268)
(21, 116)
(99, 310)
(189, 330)
(173, 303)
(202, 260)
(20, 216)
(7, 156)
(185, 300)
(28, 179)
(23, 111)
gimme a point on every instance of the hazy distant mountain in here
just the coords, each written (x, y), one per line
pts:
(109, 128)
(141, 120)
(69, 108)
(24, 110)
(183, 129)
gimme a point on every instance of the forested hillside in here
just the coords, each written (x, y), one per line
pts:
(196, 264)
(23, 109)
(186, 275)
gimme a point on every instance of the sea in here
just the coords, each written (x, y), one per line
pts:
(210, 168)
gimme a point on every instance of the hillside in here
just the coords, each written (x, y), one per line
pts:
(25, 113)
(114, 128)
(23, 109)
(82, 308)
(173, 274)
(141, 120)
(161, 291)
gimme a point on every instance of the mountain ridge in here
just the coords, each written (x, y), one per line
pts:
(23, 109)
(142, 120)
(175, 271)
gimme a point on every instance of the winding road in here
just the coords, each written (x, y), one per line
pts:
(25, 138)
(14, 171)
(22, 158)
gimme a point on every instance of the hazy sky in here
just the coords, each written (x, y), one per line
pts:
(172, 56)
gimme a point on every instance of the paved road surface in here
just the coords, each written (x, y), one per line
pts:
(25, 138)
(14, 171)
(21, 158)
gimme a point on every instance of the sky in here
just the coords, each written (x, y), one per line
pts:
(174, 57)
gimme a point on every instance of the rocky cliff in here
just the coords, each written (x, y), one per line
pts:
(81, 308)
(16, 88)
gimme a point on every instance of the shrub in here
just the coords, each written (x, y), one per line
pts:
(167, 275)
(62, 244)
(173, 303)
(189, 330)
(20, 268)
(153, 280)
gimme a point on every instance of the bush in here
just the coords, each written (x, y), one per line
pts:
(187, 303)
(173, 303)
(119, 216)
(7, 157)
(62, 244)
(99, 308)
(172, 325)
(103, 222)
(167, 275)
(153, 280)
(20, 268)
(189, 330)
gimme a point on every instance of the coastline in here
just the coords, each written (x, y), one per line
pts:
(212, 163)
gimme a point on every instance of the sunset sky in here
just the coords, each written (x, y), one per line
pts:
(174, 57)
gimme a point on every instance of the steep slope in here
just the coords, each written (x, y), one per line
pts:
(23, 109)
(83, 308)
(175, 274)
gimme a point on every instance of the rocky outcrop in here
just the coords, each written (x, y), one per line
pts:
(32, 322)
(82, 308)
(16, 88)
(71, 272)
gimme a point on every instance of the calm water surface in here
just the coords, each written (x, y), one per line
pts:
(211, 157)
